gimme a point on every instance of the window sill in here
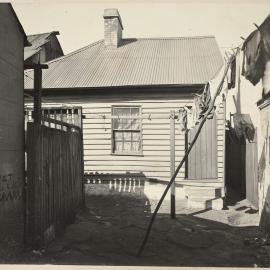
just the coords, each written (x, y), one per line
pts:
(128, 154)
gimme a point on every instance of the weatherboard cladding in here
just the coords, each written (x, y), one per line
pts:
(137, 62)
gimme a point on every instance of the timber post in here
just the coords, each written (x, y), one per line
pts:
(37, 89)
(172, 161)
(37, 94)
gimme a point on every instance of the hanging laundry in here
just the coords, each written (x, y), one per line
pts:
(265, 41)
(265, 38)
(191, 116)
(243, 126)
(253, 63)
(231, 75)
(202, 102)
(266, 79)
(182, 117)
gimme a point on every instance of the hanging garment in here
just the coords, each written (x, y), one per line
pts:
(243, 126)
(182, 117)
(266, 79)
(253, 63)
(231, 75)
(265, 41)
(265, 38)
(191, 116)
(202, 102)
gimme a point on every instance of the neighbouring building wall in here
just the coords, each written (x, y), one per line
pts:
(243, 99)
(264, 166)
(53, 49)
(49, 51)
(11, 128)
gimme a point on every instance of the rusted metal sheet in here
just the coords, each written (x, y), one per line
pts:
(145, 61)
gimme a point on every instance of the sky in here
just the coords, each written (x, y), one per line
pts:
(81, 22)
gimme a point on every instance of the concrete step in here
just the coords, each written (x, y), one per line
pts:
(200, 203)
(203, 192)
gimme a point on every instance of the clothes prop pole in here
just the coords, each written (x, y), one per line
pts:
(203, 119)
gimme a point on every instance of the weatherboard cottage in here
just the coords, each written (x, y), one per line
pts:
(123, 91)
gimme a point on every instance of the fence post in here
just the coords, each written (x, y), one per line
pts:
(37, 88)
(172, 161)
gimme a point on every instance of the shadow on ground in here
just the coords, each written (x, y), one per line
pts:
(110, 229)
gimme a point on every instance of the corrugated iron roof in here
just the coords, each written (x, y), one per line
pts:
(142, 62)
(37, 41)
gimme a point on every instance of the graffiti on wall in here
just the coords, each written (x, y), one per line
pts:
(10, 188)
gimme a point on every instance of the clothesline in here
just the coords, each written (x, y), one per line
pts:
(202, 121)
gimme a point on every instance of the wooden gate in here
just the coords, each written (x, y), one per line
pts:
(202, 160)
(54, 187)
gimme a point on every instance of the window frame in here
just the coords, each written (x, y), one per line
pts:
(133, 153)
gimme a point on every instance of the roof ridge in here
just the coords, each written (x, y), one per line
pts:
(46, 33)
(182, 37)
(71, 53)
(74, 52)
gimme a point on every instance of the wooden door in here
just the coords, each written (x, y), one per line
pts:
(202, 160)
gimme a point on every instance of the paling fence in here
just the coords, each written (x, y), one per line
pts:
(54, 185)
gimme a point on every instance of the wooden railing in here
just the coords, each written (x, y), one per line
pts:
(54, 188)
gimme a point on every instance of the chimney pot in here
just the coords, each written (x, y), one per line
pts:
(113, 28)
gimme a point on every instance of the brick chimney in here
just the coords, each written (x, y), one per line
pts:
(112, 28)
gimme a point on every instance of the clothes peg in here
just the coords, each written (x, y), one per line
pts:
(256, 26)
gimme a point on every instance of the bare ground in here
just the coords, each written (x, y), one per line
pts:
(110, 229)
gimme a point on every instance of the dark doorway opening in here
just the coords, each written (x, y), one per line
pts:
(241, 168)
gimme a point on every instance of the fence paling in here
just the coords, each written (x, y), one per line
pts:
(54, 181)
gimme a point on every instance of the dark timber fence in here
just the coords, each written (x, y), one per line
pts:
(54, 188)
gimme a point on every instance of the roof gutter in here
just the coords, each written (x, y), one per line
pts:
(116, 90)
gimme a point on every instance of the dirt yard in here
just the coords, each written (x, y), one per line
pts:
(110, 229)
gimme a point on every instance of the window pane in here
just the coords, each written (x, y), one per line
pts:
(118, 146)
(135, 111)
(136, 136)
(127, 136)
(127, 146)
(115, 123)
(121, 111)
(124, 124)
(135, 124)
(118, 136)
(136, 146)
